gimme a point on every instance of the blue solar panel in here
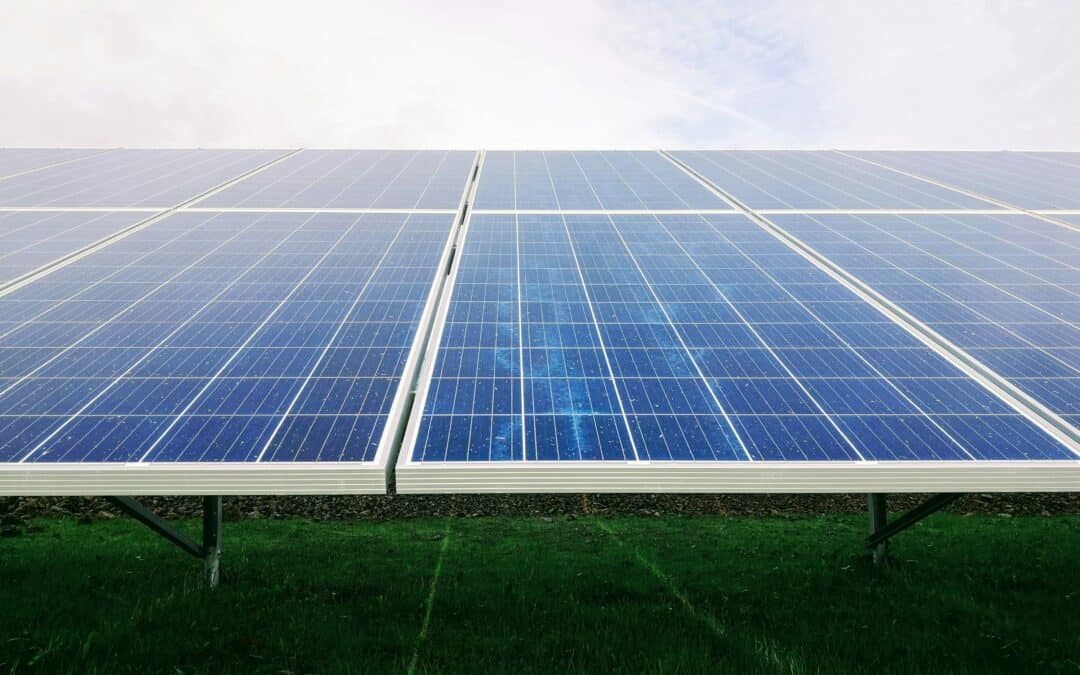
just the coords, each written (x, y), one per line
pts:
(381, 179)
(32, 239)
(19, 160)
(818, 180)
(218, 337)
(695, 338)
(1019, 179)
(588, 181)
(131, 178)
(1005, 288)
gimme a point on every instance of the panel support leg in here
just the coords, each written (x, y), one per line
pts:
(877, 506)
(881, 531)
(210, 549)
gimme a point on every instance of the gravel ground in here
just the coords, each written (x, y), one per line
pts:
(15, 511)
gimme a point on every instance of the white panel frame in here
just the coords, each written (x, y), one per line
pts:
(738, 477)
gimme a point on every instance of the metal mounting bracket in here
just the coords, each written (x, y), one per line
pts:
(881, 530)
(210, 549)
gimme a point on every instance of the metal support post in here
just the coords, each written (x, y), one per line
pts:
(211, 548)
(876, 502)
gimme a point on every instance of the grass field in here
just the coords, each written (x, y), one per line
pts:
(629, 594)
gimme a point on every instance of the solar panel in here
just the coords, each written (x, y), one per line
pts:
(581, 180)
(210, 338)
(32, 239)
(668, 343)
(802, 180)
(1004, 288)
(598, 321)
(382, 179)
(1028, 181)
(15, 161)
(158, 179)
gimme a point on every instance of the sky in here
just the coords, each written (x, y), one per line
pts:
(554, 74)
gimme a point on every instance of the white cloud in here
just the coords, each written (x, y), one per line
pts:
(942, 74)
(598, 73)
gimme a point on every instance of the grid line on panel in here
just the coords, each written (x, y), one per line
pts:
(588, 181)
(757, 335)
(290, 209)
(34, 240)
(330, 342)
(593, 212)
(299, 168)
(874, 368)
(999, 202)
(600, 339)
(762, 180)
(72, 417)
(875, 189)
(682, 342)
(20, 172)
(356, 180)
(521, 342)
(369, 370)
(158, 178)
(104, 324)
(142, 224)
(78, 209)
(1000, 386)
(630, 184)
(947, 212)
(360, 176)
(908, 282)
(1005, 263)
(596, 326)
(238, 350)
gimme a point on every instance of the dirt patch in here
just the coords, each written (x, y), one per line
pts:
(16, 510)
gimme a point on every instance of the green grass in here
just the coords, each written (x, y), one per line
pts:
(629, 594)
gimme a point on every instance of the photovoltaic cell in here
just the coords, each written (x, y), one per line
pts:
(588, 180)
(1005, 288)
(218, 337)
(379, 179)
(19, 160)
(131, 178)
(1019, 179)
(694, 338)
(818, 180)
(32, 239)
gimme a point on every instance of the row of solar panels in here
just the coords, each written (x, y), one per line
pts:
(785, 180)
(257, 321)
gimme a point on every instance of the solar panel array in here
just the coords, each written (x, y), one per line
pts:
(255, 321)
